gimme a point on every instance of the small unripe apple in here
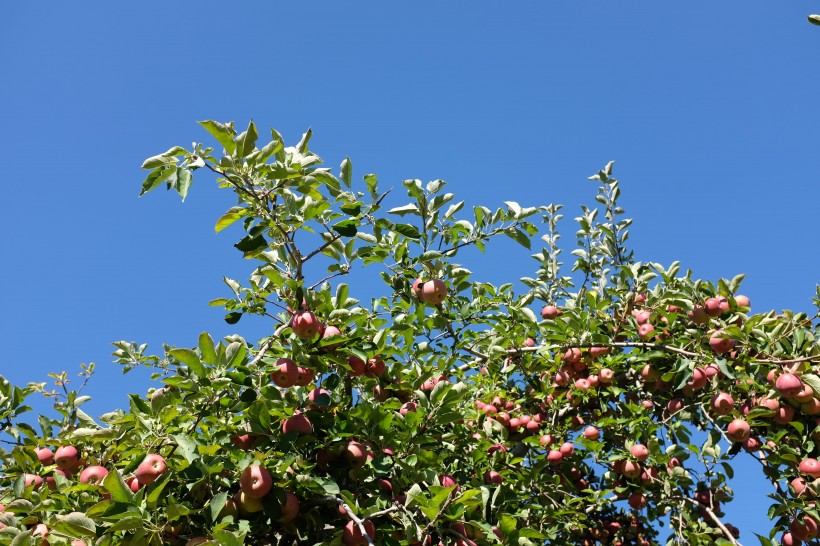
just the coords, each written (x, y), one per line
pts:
(298, 423)
(67, 458)
(305, 325)
(93, 474)
(285, 373)
(434, 292)
(151, 468)
(550, 312)
(738, 430)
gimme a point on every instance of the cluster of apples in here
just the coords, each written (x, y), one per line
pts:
(616, 531)
(256, 482)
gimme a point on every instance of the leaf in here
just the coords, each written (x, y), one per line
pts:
(190, 359)
(506, 524)
(233, 214)
(346, 171)
(233, 317)
(518, 236)
(217, 504)
(223, 133)
(156, 178)
(346, 228)
(206, 348)
(814, 19)
(76, 524)
(407, 230)
(235, 354)
(246, 142)
(812, 381)
(183, 183)
(155, 489)
(251, 246)
(116, 487)
(514, 207)
(406, 209)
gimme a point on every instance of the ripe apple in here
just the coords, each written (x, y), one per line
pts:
(151, 468)
(244, 441)
(567, 449)
(375, 367)
(738, 430)
(810, 467)
(698, 315)
(133, 484)
(67, 458)
(632, 469)
(788, 540)
(742, 301)
(352, 535)
(357, 365)
(319, 395)
(723, 403)
(789, 385)
(290, 509)
(550, 312)
(493, 477)
(328, 332)
(752, 444)
(713, 307)
(304, 376)
(305, 325)
(356, 454)
(285, 374)
(434, 292)
(44, 455)
(447, 480)
(51, 481)
(408, 407)
(804, 528)
(640, 452)
(637, 500)
(555, 457)
(606, 375)
(255, 481)
(247, 505)
(698, 379)
(592, 433)
(40, 530)
(417, 284)
(572, 355)
(231, 509)
(641, 316)
(719, 343)
(94, 474)
(34, 480)
(299, 423)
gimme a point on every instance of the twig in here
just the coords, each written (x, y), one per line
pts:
(353, 517)
(729, 536)
(262, 350)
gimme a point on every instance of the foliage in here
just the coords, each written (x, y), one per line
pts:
(584, 409)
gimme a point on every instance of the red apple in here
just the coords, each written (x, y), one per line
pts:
(592, 433)
(640, 452)
(417, 284)
(352, 534)
(375, 367)
(789, 385)
(255, 481)
(637, 500)
(305, 325)
(290, 509)
(67, 458)
(738, 430)
(285, 373)
(719, 343)
(44, 455)
(299, 423)
(493, 477)
(357, 365)
(94, 474)
(408, 407)
(698, 315)
(810, 467)
(713, 307)
(151, 468)
(34, 480)
(742, 301)
(434, 292)
(304, 376)
(356, 454)
(550, 312)
(244, 441)
(328, 332)
(555, 457)
(723, 403)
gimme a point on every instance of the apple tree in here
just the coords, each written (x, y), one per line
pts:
(400, 399)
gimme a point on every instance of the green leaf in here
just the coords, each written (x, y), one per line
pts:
(506, 524)
(812, 381)
(346, 228)
(223, 133)
(235, 354)
(183, 183)
(233, 214)
(814, 19)
(76, 524)
(156, 488)
(217, 504)
(352, 209)
(156, 178)
(246, 141)
(190, 359)
(407, 230)
(233, 317)
(518, 236)
(251, 246)
(206, 348)
(410, 208)
(116, 488)
(346, 171)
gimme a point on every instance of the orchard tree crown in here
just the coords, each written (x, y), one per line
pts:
(604, 404)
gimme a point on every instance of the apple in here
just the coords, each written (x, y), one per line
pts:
(572, 355)
(752, 444)
(567, 449)
(723, 403)
(738, 430)
(44, 455)
(698, 379)
(319, 394)
(550, 312)
(247, 504)
(375, 367)
(357, 365)
(94, 474)
(784, 415)
(788, 385)
(67, 458)
(231, 509)
(446, 480)
(385, 486)
(631, 469)
(304, 376)
(810, 467)
(408, 407)
(244, 441)
(51, 482)
(713, 307)
(742, 301)
(40, 530)
(698, 315)
(798, 486)
(352, 534)
(650, 373)
(719, 343)
(285, 374)
(305, 325)
(356, 454)
(555, 457)
(328, 332)
(493, 477)
(637, 500)
(434, 292)
(640, 452)
(641, 316)
(34, 480)
(606, 375)
(151, 468)
(299, 423)
(804, 528)
(788, 540)
(592, 433)
(133, 484)
(290, 509)
(255, 481)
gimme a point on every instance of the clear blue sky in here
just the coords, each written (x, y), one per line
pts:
(709, 109)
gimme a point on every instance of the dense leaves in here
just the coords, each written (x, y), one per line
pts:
(602, 404)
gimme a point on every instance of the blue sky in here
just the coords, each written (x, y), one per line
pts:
(708, 109)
